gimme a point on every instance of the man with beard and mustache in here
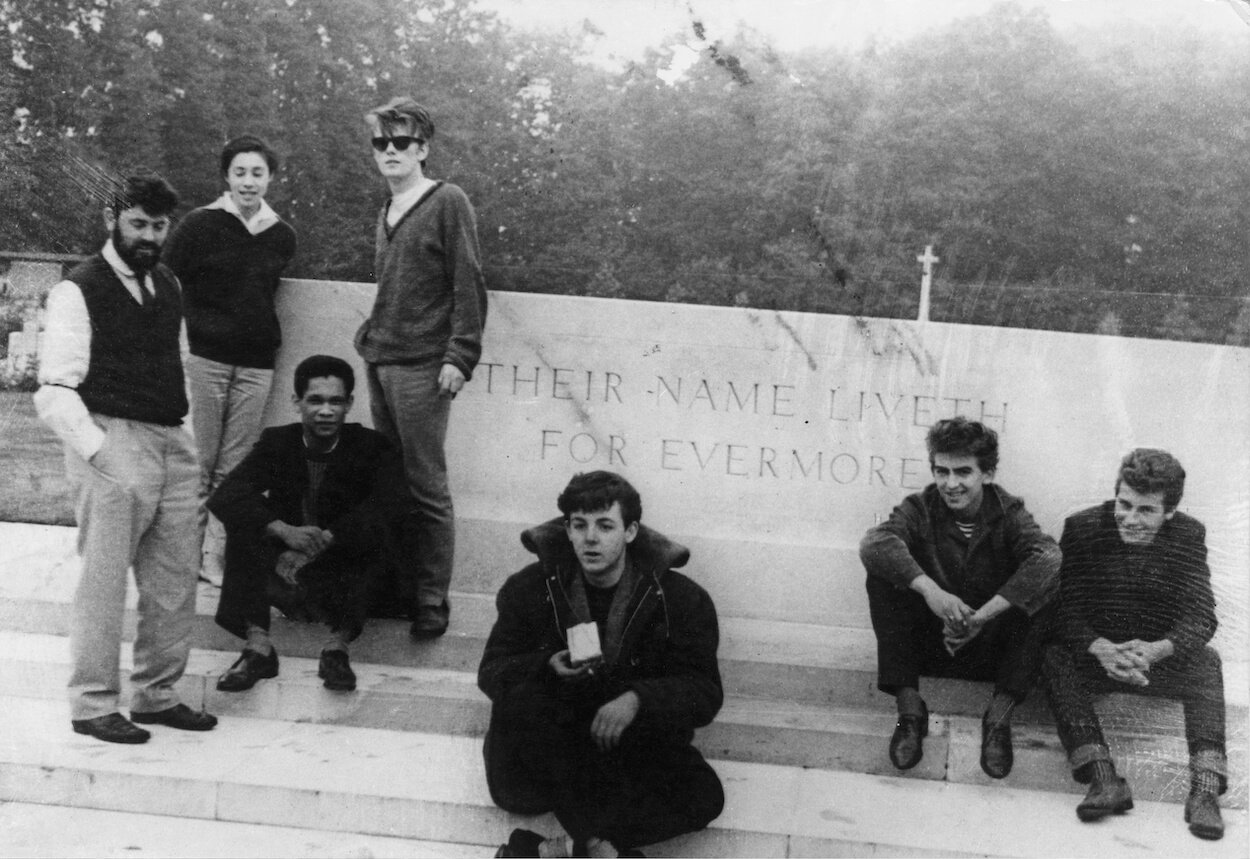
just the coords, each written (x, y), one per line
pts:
(112, 388)
(960, 579)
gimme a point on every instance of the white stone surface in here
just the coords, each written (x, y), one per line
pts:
(430, 787)
(51, 831)
(721, 415)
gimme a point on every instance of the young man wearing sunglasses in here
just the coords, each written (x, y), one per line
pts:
(421, 341)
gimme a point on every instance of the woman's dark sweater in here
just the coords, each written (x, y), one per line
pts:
(229, 278)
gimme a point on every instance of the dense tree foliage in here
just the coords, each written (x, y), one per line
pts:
(1084, 183)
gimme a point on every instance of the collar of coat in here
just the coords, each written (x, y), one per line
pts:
(650, 552)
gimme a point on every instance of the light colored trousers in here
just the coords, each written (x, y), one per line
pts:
(407, 409)
(227, 408)
(137, 504)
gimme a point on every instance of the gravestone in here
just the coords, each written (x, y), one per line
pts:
(769, 441)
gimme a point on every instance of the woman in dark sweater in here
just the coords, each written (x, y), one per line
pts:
(229, 256)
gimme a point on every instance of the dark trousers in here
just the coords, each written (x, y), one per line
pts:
(540, 757)
(1007, 651)
(336, 588)
(1073, 680)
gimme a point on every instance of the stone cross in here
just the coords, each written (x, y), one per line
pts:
(926, 282)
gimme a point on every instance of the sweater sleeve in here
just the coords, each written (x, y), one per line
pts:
(1036, 579)
(1076, 596)
(1195, 622)
(468, 313)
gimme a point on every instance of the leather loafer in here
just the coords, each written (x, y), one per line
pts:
(1110, 796)
(247, 669)
(335, 670)
(1202, 813)
(431, 621)
(996, 752)
(179, 716)
(113, 728)
(907, 744)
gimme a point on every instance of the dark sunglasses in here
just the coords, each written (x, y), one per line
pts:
(401, 143)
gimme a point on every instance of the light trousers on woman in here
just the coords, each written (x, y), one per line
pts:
(227, 408)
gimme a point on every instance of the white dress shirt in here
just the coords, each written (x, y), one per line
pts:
(65, 357)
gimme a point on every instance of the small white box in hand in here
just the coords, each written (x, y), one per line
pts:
(584, 644)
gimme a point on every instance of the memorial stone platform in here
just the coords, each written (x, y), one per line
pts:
(768, 443)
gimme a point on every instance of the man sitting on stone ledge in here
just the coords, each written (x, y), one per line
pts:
(600, 666)
(1136, 612)
(959, 582)
(305, 515)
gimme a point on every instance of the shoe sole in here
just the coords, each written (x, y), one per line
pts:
(126, 741)
(137, 718)
(339, 687)
(259, 678)
(1089, 815)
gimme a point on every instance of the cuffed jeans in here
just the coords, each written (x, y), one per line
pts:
(1073, 680)
(407, 409)
(1007, 651)
(137, 505)
(227, 408)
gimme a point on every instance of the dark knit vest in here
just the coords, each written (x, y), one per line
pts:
(136, 364)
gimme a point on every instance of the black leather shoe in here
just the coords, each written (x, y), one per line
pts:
(1202, 813)
(1109, 796)
(179, 716)
(113, 728)
(247, 669)
(335, 670)
(996, 753)
(907, 744)
(522, 842)
(431, 621)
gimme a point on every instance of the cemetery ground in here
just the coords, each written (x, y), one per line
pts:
(34, 488)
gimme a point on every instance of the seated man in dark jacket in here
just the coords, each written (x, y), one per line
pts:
(959, 580)
(599, 668)
(1136, 612)
(305, 514)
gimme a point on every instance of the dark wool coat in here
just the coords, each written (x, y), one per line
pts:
(362, 491)
(668, 646)
(1009, 555)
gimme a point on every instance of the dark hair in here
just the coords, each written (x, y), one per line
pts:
(149, 192)
(322, 366)
(248, 143)
(402, 111)
(1148, 469)
(959, 436)
(595, 491)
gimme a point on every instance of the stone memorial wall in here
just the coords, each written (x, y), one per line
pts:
(768, 442)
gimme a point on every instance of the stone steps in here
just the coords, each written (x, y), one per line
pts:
(754, 730)
(800, 745)
(429, 788)
(88, 833)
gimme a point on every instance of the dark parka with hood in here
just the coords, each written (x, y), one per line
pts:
(667, 649)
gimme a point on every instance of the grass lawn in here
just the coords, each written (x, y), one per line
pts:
(34, 488)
